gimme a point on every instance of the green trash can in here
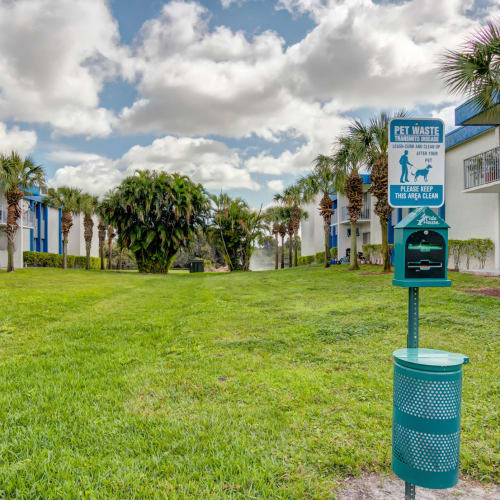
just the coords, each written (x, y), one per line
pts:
(197, 266)
(426, 416)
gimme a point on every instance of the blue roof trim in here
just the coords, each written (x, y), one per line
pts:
(366, 178)
(34, 198)
(468, 110)
(462, 134)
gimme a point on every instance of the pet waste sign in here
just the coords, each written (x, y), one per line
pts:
(416, 162)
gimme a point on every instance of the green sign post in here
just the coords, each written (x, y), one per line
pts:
(427, 383)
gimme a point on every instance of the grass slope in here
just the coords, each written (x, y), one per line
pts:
(250, 385)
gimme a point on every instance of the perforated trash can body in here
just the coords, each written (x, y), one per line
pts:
(426, 416)
(197, 266)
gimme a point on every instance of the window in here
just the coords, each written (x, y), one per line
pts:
(366, 238)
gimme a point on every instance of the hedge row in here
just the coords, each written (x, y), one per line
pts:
(478, 248)
(319, 258)
(307, 259)
(43, 259)
(373, 252)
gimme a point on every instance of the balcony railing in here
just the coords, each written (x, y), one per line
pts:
(482, 168)
(29, 219)
(365, 214)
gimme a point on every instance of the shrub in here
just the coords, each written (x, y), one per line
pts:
(45, 259)
(373, 252)
(478, 248)
(456, 248)
(334, 252)
(320, 257)
(303, 260)
(481, 247)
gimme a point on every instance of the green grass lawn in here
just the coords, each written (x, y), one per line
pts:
(250, 385)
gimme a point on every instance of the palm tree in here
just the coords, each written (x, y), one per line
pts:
(273, 218)
(111, 235)
(69, 200)
(375, 138)
(282, 233)
(89, 207)
(292, 198)
(347, 161)
(475, 70)
(17, 173)
(101, 234)
(288, 226)
(322, 180)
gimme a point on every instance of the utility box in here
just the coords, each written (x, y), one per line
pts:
(426, 416)
(421, 250)
(197, 266)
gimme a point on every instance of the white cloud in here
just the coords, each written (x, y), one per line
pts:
(15, 139)
(276, 185)
(447, 114)
(196, 81)
(69, 156)
(206, 161)
(94, 176)
(55, 57)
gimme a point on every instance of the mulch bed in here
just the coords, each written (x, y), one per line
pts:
(490, 292)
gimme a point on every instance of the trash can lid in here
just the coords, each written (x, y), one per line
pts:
(430, 359)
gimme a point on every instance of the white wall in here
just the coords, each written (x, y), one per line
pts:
(311, 230)
(76, 240)
(53, 230)
(472, 215)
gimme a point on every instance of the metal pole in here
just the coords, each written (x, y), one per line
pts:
(412, 342)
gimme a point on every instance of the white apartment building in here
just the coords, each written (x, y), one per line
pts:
(472, 194)
(40, 230)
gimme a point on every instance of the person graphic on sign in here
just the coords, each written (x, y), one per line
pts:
(404, 162)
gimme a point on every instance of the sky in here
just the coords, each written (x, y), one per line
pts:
(240, 95)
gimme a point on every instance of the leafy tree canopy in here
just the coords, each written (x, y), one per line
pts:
(156, 214)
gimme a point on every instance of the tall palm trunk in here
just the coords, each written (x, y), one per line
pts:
(290, 246)
(88, 229)
(282, 235)
(282, 252)
(110, 245)
(14, 212)
(276, 250)
(102, 238)
(385, 246)
(354, 247)
(66, 224)
(295, 222)
(325, 210)
(295, 249)
(326, 227)
(379, 188)
(354, 191)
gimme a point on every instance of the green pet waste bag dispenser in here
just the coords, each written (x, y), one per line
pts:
(421, 250)
(426, 416)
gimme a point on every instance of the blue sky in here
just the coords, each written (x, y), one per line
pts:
(240, 95)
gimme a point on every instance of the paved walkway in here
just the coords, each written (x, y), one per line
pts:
(376, 487)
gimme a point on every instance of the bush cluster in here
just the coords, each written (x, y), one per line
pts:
(478, 248)
(320, 257)
(373, 252)
(304, 260)
(45, 259)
